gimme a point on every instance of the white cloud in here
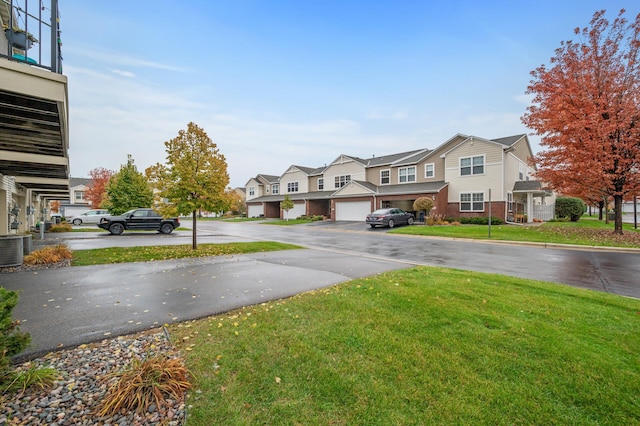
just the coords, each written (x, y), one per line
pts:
(123, 73)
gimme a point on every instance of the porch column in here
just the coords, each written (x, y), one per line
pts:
(529, 207)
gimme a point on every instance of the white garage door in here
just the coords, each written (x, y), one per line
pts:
(297, 211)
(352, 210)
(255, 210)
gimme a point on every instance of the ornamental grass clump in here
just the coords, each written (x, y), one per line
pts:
(48, 255)
(61, 227)
(144, 382)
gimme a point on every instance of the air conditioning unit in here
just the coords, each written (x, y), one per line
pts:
(11, 250)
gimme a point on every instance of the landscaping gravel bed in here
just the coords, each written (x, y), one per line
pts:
(74, 399)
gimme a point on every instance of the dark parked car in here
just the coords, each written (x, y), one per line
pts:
(389, 217)
(139, 220)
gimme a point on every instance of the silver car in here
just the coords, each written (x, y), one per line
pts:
(389, 217)
(91, 216)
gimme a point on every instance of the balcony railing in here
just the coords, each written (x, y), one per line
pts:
(31, 33)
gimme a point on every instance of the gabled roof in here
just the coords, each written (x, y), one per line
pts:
(366, 186)
(527, 186)
(73, 182)
(509, 140)
(305, 170)
(505, 143)
(268, 178)
(392, 159)
(341, 159)
(264, 179)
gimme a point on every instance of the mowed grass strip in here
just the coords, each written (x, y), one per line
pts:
(151, 253)
(584, 232)
(419, 346)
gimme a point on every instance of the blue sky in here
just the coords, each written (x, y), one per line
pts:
(276, 83)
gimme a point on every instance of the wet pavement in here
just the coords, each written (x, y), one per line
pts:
(69, 306)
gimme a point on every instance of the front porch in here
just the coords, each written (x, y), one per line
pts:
(530, 203)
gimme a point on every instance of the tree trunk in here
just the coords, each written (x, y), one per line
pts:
(606, 210)
(600, 207)
(617, 202)
(194, 243)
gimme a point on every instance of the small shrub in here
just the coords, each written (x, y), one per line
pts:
(146, 382)
(12, 341)
(61, 227)
(48, 255)
(570, 207)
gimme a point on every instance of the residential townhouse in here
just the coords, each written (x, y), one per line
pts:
(34, 135)
(464, 176)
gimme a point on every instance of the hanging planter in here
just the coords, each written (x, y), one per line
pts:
(20, 39)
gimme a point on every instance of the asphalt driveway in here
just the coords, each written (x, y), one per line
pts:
(69, 306)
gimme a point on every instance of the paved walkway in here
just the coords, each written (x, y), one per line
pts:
(69, 306)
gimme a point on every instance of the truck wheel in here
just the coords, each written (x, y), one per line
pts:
(77, 222)
(116, 228)
(410, 221)
(166, 228)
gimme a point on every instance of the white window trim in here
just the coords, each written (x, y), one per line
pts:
(275, 188)
(433, 170)
(471, 202)
(291, 185)
(471, 157)
(415, 175)
(389, 177)
(320, 180)
(252, 191)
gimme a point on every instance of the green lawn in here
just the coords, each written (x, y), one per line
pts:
(150, 253)
(419, 346)
(586, 231)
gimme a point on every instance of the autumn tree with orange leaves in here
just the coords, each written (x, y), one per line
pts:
(586, 108)
(96, 192)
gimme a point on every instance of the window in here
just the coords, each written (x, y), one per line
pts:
(407, 174)
(79, 195)
(385, 177)
(472, 165)
(320, 184)
(472, 202)
(275, 189)
(510, 201)
(267, 188)
(292, 187)
(341, 181)
(429, 170)
(252, 190)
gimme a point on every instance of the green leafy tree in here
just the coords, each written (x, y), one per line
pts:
(128, 189)
(286, 205)
(194, 177)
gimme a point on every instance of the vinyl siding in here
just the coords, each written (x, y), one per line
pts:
(493, 170)
(294, 175)
(350, 167)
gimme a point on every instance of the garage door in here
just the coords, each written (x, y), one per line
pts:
(352, 210)
(255, 210)
(297, 211)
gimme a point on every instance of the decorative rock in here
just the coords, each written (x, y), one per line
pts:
(75, 399)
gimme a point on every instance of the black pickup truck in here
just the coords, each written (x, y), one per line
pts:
(139, 220)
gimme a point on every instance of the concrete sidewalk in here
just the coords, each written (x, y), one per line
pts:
(69, 306)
